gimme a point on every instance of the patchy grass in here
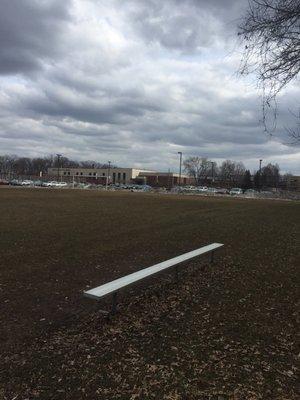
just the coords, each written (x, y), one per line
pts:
(226, 330)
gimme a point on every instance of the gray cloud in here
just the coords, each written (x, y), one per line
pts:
(133, 82)
(185, 25)
(30, 32)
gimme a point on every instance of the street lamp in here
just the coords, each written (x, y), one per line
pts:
(260, 161)
(180, 162)
(108, 173)
(58, 158)
(212, 171)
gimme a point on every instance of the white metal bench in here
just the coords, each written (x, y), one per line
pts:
(114, 286)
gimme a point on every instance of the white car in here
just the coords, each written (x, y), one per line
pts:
(236, 191)
(52, 184)
(47, 184)
(202, 189)
(27, 183)
(61, 184)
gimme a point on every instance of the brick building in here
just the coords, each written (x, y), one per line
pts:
(293, 183)
(165, 179)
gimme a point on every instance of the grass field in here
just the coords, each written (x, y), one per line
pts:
(227, 330)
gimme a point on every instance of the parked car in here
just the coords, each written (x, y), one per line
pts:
(53, 184)
(27, 182)
(146, 188)
(87, 186)
(50, 184)
(38, 183)
(211, 190)
(222, 191)
(190, 188)
(15, 182)
(140, 188)
(236, 191)
(201, 189)
(46, 184)
(61, 184)
(267, 193)
(250, 192)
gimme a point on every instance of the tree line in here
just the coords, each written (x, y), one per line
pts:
(203, 170)
(14, 165)
(232, 173)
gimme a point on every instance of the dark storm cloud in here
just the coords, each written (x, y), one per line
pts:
(30, 32)
(111, 107)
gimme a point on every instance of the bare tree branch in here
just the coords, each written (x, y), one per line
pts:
(271, 32)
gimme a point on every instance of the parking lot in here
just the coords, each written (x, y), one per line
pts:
(186, 190)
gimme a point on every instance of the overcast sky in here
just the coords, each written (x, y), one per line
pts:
(133, 82)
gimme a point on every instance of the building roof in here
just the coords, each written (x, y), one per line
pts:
(156, 173)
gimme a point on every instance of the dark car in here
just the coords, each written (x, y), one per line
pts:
(15, 182)
(222, 191)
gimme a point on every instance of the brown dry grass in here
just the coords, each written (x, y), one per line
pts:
(227, 330)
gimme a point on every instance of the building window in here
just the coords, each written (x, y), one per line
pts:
(119, 176)
(124, 176)
(81, 173)
(103, 174)
(114, 177)
(65, 173)
(94, 174)
(69, 173)
(90, 174)
(77, 173)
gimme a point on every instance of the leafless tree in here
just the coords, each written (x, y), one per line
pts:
(7, 164)
(294, 133)
(232, 172)
(199, 168)
(13, 165)
(271, 32)
(270, 176)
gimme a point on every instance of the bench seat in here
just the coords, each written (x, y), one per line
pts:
(117, 284)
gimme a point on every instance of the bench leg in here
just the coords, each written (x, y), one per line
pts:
(114, 304)
(113, 309)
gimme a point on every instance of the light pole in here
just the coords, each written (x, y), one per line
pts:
(108, 173)
(58, 158)
(180, 162)
(212, 171)
(169, 183)
(260, 161)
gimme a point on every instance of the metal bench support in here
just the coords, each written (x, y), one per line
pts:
(176, 274)
(113, 309)
(114, 303)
